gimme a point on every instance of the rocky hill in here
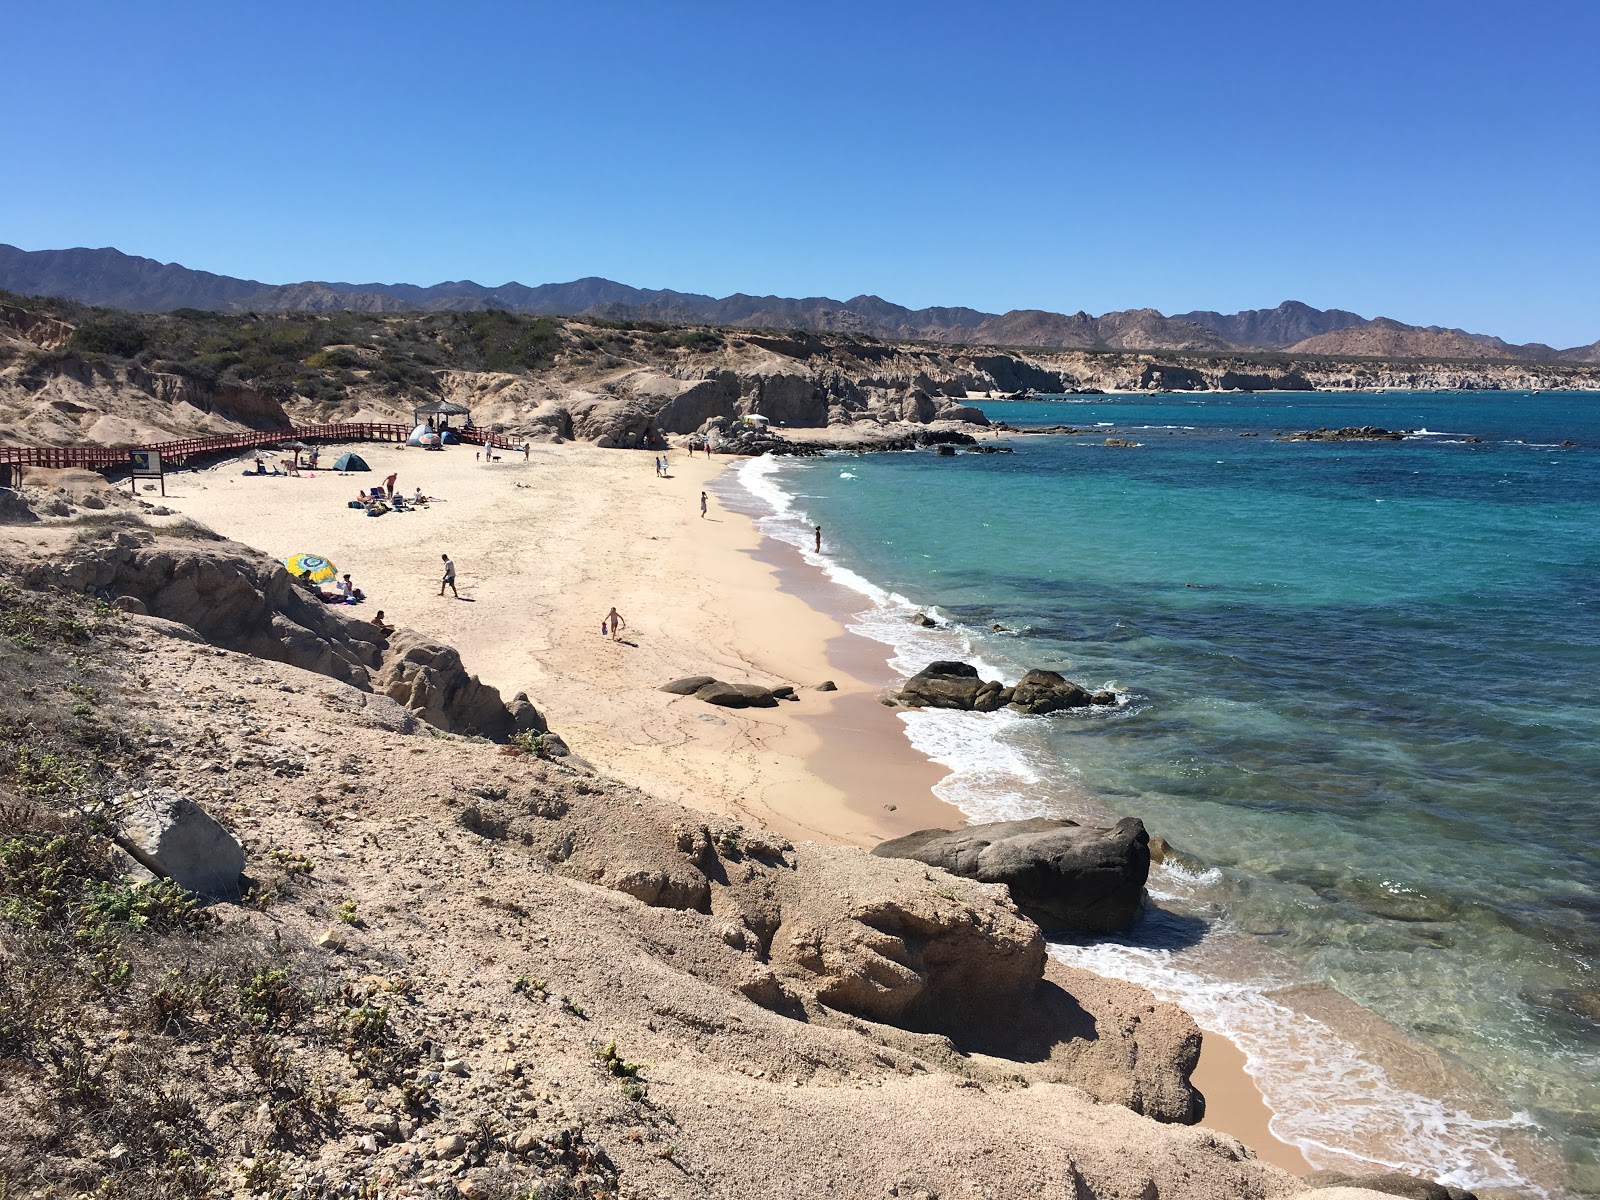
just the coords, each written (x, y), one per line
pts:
(110, 278)
(1384, 338)
(1273, 328)
(72, 375)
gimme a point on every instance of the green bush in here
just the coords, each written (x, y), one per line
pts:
(115, 335)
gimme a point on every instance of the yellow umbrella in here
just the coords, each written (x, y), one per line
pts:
(313, 566)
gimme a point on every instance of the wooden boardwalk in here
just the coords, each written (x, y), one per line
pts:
(101, 458)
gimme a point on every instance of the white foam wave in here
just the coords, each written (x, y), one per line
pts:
(1325, 1096)
(990, 778)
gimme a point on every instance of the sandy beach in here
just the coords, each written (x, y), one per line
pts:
(545, 547)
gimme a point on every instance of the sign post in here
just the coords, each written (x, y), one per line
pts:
(145, 464)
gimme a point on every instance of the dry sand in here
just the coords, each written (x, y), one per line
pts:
(545, 547)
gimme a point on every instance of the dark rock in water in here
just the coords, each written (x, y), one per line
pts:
(944, 437)
(688, 686)
(1351, 433)
(1393, 1183)
(945, 451)
(924, 620)
(1063, 875)
(942, 685)
(737, 695)
(1040, 692)
(956, 685)
(1116, 441)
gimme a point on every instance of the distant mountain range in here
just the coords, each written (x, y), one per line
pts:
(112, 279)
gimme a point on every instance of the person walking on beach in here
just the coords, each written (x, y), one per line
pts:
(702, 506)
(449, 580)
(818, 532)
(614, 621)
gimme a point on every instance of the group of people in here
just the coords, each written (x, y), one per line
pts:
(661, 466)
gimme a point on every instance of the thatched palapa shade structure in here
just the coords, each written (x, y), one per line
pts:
(441, 411)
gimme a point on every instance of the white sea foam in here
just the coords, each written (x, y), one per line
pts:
(1326, 1098)
(990, 778)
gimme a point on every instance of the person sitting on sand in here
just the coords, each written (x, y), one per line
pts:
(261, 465)
(418, 498)
(351, 593)
(615, 621)
(382, 625)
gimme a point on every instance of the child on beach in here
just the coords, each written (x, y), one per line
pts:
(614, 620)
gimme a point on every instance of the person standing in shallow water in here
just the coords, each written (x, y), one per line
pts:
(818, 531)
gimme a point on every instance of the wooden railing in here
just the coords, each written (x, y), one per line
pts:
(99, 458)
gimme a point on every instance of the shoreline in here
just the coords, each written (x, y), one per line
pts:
(1234, 1103)
(544, 547)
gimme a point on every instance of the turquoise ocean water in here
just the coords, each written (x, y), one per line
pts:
(1371, 726)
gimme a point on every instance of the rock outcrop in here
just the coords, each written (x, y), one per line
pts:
(240, 600)
(1350, 433)
(821, 933)
(946, 684)
(1061, 874)
(1384, 1183)
(428, 679)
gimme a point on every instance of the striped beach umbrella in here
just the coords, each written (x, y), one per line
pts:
(313, 566)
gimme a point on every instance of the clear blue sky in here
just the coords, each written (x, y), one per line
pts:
(1437, 162)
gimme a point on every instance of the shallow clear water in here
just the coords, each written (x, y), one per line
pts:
(1363, 705)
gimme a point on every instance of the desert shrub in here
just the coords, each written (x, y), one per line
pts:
(506, 342)
(116, 335)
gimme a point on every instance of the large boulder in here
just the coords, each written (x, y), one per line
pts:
(918, 406)
(428, 678)
(942, 685)
(1040, 692)
(737, 695)
(891, 949)
(173, 838)
(1063, 875)
(962, 412)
